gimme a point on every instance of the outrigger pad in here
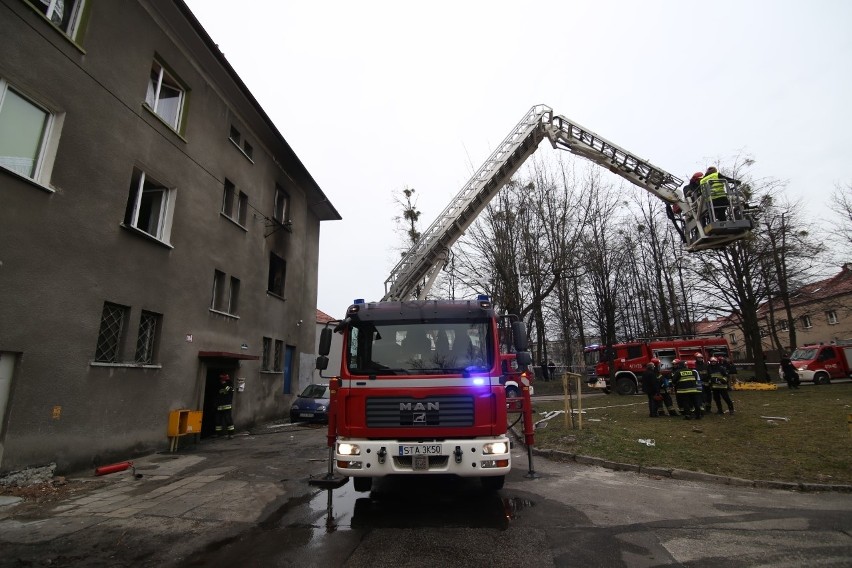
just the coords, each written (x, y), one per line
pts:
(328, 481)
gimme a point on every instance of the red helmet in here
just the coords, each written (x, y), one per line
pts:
(713, 360)
(676, 362)
(697, 176)
(655, 361)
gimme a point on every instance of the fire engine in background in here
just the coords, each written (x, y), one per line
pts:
(420, 389)
(630, 358)
(821, 363)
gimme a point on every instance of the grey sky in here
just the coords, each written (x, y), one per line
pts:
(375, 96)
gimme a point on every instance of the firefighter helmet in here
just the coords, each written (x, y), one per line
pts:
(699, 356)
(655, 361)
(713, 360)
(697, 176)
(676, 362)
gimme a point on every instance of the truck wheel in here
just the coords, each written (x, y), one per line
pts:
(512, 392)
(362, 484)
(493, 483)
(821, 379)
(625, 386)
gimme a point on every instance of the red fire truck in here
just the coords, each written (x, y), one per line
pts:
(821, 363)
(630, 358)
(421, 390)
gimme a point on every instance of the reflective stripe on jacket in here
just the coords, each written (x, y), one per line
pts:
(718, 380)
(685, 380)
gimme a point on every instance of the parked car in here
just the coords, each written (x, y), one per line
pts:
(311, 405)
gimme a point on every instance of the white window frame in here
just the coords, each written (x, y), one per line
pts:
(831, 317)
(48, 8)
(46, 153)
(806, 322)
(152, 96)
(164, 222)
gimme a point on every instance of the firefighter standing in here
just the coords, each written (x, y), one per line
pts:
(664, 386)
(224, 404)
(719, 386)
(686, 384)
(791, 375)
(652, 389)
(704, 382)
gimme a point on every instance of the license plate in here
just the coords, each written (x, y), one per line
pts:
(420, 450)
(306, 415)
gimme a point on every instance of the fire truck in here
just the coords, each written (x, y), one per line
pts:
(630, 358)
(822, 363)
(421, 384)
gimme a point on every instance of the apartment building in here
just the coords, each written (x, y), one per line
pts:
(156, 229)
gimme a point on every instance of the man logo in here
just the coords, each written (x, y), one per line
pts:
(419, 413)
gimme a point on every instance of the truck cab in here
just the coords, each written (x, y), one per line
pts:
(820, 364)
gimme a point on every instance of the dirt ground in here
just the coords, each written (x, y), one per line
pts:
(41, 497)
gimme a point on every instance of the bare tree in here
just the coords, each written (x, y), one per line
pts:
(841, 199)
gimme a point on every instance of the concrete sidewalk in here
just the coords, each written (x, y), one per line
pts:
(168, 505)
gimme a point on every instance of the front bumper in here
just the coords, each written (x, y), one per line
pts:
(465, 458)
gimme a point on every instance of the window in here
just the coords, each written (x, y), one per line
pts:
(111, 333)
(831, 317)
(240, 143)
(165, 96)
(806, 322)
(24, 127)
(146, 342)
(225, 298)
(732, 339)
(234, 204)
(149, 206)
(65, 14)
(784, 325)
(277, 273)
(267, 353)
(277, 356)
(281, 210)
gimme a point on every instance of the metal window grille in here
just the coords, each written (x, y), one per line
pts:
(147, 338)
(109, 336)
(267, 348)
(276, 361)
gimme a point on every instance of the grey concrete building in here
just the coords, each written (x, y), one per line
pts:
(156, 229)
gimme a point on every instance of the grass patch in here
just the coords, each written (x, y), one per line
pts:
(814, 445)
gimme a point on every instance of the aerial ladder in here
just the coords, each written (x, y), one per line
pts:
(694, 216)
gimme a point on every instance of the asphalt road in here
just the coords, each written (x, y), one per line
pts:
(247, 502)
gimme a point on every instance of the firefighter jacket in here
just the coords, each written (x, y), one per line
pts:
(225, 396)
(718, 380)
(717, 185)
(685, 381)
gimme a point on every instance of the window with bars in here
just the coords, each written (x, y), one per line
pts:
(278, 356)
(111, 333)
(146, 342)
(267, 353)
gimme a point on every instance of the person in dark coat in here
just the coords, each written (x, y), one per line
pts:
(790, 373)
(651, 386)
(224, 405)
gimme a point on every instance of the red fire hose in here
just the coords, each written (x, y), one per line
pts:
(112, 468)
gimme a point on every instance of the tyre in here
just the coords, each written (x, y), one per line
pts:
(493, 483)
(822, 379)
(512, 392)
(625, 386)
(362, 484)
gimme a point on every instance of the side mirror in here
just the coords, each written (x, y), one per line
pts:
(519, 336)
(524, 358)
(322, 363)
(324, 343)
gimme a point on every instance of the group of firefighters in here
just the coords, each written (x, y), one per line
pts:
(695, 389)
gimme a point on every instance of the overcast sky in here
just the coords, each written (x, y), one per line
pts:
(376, 96)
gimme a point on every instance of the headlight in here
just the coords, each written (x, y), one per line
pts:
(321, 408)
(345, 449)
(495, 448)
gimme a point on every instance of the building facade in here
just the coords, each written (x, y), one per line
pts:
(156, 230)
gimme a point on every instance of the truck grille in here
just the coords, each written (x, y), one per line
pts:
(441, 411)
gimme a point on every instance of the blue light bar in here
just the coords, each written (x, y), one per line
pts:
(358, 301)
(483, 298)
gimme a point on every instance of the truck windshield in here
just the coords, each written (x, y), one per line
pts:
(420, 348)
(803, 355)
